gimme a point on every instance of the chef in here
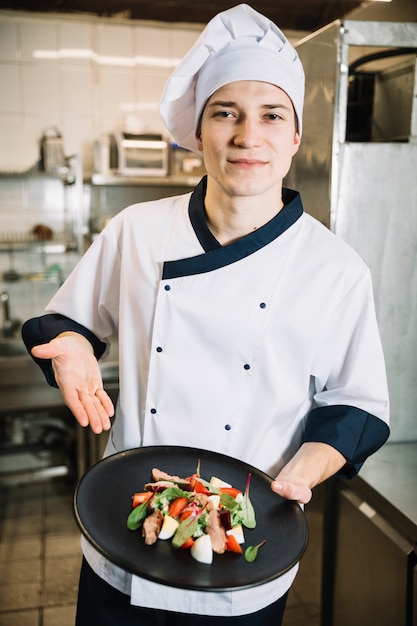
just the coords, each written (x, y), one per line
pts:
(245, 326)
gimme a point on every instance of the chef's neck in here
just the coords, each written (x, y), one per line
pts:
(230, 218)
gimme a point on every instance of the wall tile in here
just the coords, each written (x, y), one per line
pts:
(150, 88)
(182, 40)
(10, 100)
(75, 41)
(78, 138)
(117, 92)
(8, 41)
(77, 90)
(41, 89)
(114, 44)
(153, 43)
(38, 41)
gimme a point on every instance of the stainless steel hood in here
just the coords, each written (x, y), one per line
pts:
(357, 172)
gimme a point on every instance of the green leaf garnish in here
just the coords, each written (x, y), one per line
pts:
(137, 515)
(249, 519)
(251, 552)
(186, 529)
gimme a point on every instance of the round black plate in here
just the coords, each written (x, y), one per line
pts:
(102, 503)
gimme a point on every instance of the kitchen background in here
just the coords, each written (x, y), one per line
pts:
(83, 78)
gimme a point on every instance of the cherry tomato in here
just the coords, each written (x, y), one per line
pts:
(177, 506)
(233, 545)
(138, 498)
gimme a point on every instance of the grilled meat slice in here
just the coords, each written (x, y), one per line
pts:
(215, 530)
(152, 527)
(161, 477)
(158, 474)
(159, 486)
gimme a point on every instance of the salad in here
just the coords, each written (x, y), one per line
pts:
(206, 517)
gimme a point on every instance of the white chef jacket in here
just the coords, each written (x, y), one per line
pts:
(229, 349)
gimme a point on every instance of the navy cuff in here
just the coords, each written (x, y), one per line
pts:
(355, 433)
(39, 330)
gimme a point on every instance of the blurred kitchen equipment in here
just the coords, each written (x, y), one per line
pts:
(102, 155)
(142, 155)
(42, 232)
(10, 325)
(53, 159)
(186, 163)
(356, 172)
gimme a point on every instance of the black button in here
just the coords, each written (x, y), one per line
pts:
(159, 349)
(153, 411)
(228, 427)
(167, 287)
(263, 305)
(246, 366)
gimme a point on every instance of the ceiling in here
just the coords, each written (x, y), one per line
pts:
(298, 15)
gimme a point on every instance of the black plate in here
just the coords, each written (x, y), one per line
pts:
(102, 503)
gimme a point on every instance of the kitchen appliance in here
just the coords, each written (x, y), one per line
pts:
(142, 155)
(356, 171)
(53, 159)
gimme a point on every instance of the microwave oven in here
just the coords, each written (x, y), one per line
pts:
(142, 155)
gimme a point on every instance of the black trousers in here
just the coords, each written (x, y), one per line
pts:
(99, 604)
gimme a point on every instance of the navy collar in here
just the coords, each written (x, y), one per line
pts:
(216, 255)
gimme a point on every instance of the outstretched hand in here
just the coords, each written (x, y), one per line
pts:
(79, 379)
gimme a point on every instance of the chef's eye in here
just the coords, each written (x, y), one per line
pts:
(273, 117)
(223, 114)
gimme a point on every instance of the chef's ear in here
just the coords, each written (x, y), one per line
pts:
(198, 138)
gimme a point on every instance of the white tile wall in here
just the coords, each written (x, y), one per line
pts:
(10, 101)
(37, 38)
(86, 76)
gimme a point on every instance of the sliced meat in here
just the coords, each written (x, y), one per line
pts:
(159, 477)
(215, 530)
(152, 527)
(158, 474)
(160, 485)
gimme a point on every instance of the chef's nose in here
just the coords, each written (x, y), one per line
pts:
(247, 133)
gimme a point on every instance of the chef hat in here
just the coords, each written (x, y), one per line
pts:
(237, 44)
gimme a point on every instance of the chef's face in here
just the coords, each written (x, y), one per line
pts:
(248, 137)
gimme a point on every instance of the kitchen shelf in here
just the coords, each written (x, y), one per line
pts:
(144, 181)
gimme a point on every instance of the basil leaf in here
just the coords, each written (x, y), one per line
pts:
(137, 515)
(251, 552)
(228, 501)
(249, 519)
(186, 529)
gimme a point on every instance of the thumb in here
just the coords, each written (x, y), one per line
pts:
(45, 351)
(292, 491)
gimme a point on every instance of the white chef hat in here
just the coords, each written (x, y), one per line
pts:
(237, 44)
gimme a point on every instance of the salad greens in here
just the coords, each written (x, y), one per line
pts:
(184, 514)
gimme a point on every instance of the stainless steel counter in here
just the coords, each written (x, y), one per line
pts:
(370, 542)
(23, 386)
(392, 474)
(24, 393)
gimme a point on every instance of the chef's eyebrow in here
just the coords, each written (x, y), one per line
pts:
(231, 103)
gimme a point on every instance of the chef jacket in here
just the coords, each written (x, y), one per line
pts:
(247, 349)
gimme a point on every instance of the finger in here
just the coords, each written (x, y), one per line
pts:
(97, 415)
(45, 351)
(72, 401)
(105, 401)
(86, 408)
(292, 491)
